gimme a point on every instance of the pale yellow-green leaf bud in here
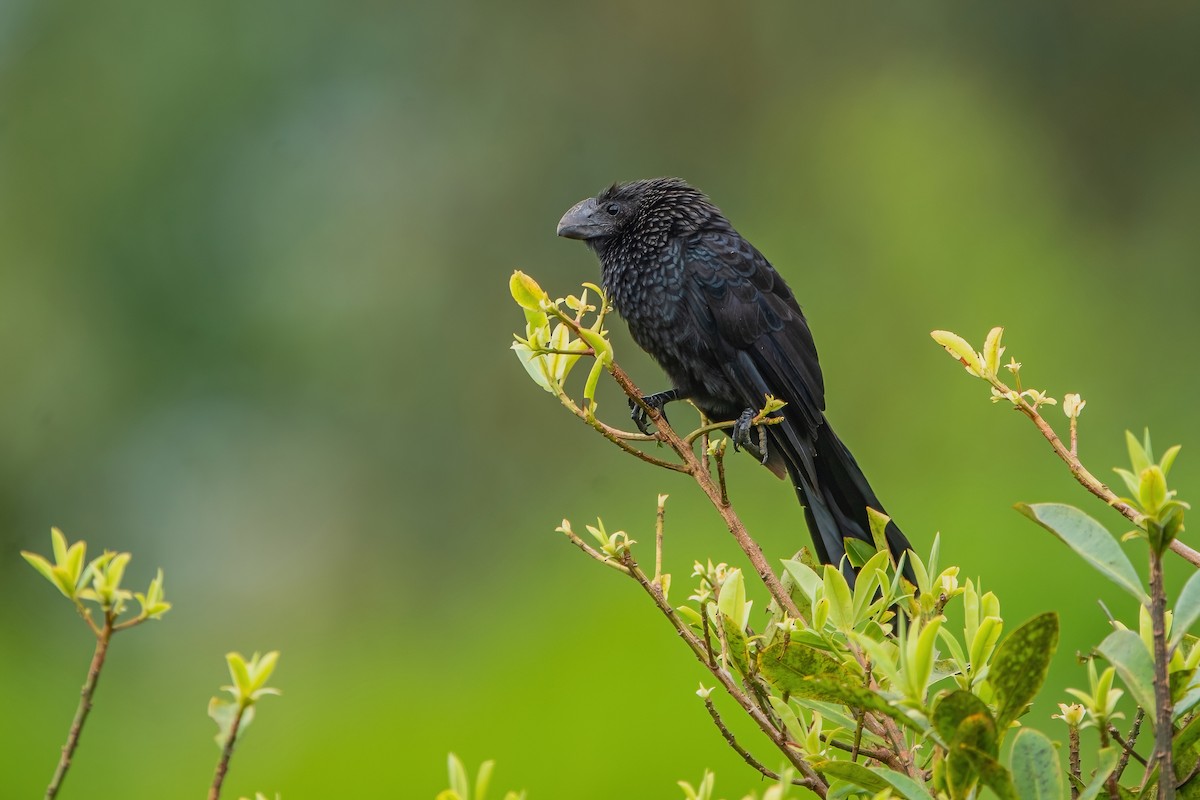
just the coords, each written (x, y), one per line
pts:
(959, 348)
(526, 291)
(992, 351)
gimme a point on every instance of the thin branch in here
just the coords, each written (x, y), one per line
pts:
(1073, 761)
(1126, 747)
(696, 468)
(658, 538)
(1164, 730)
(873, 753)
(741, 751)
(817, 784)
(603, 558)
(214, 791)
(1081, 473)
(103, 638)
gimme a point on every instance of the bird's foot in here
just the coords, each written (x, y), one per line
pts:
(740, 436)
(655, 401)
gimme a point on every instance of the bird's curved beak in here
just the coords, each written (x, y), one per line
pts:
(582, 221)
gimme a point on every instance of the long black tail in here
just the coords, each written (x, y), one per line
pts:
(835, 495)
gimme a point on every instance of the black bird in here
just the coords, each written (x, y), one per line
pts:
(720, 321)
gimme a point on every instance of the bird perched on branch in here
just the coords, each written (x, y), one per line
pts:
(727, 330)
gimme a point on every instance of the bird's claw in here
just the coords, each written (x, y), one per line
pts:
(740, 435)
(741, 429)
(656, 401)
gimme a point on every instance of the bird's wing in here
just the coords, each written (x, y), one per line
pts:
(738, 299)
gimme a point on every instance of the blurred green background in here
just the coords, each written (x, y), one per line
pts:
(254, 327)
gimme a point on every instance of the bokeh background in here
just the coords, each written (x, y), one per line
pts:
(254, 327)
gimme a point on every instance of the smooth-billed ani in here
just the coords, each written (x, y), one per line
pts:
(720, 321)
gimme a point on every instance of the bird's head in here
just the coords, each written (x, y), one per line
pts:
(651, 209)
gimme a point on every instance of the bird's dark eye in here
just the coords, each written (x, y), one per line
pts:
(612, 209)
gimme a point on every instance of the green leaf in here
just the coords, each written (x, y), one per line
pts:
(1138, 457)
(853, 773)
(239, 672)
(969, 732)
(1036, 771)
(731, 599)
(1089, 539)
(1187, 609)
(957, 708)
(904, 786)
(920, 661)
(41, 565)
(806, 578)
(1020, 665)
(223, 713)
(593, 380)
(738, 649)
(807, 673)
(879, 522)
(996, 777)
(58, 544)
(1125, 651)
(527, 293)
(870, 578)
(857, 551)
(841, 604)
(1169, 458)
(458, 777)
(1106, 762)
(600, 346)
(1152, 488)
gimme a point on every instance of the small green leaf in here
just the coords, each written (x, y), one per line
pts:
(858, 552)
(921, 664)
(731, 601)
(1125, 651)
(1138, 457)
(739, 651)
(601, 346)
(1106, 762)
(992, 350)
(1089, 539)
(955, 709)
(841, 604)
(593, 380)
(527, 293)
(805, 672)
(959, 348)
(1187, 609)
(458, 777)
(806, 578)
(239, 672)
(1152, 488)
(223, 712)
(879, 522)
(1131, 480)
(1020, 666)
(1036, 771)
(1169, 458)
(904, 786)
(58, 544)
(853, 773)
(41, 565)
(984, 643)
